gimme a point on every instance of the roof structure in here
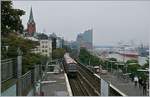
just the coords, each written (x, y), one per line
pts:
(31, 19)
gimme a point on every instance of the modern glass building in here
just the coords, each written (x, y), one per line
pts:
(85, 39)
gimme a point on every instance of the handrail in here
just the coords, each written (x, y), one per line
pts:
(117, 90)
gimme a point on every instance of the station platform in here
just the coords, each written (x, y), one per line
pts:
(126, 87)
(56, 84)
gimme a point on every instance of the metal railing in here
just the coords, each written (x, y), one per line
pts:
(113, 91)
(26, 82)
(8, 69)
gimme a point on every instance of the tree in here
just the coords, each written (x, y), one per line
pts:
(58, 53)
(131, 61)
(31, 59)
(146, 65)
(10, 18)
(67, 48)
(10, 25)
(86, 58)
(13, 41)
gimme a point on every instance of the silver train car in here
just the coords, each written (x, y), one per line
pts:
(71, 66)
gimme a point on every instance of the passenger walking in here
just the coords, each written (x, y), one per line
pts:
(136, 80)
(144, 87)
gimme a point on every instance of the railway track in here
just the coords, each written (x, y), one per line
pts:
(92, 80)
(81, 86)
(77, 87)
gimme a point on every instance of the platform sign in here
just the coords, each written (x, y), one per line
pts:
(104, 88)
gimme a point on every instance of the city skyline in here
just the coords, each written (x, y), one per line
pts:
(112, 22)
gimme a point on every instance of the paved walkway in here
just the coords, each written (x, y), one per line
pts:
(127, 88)
(55, 83)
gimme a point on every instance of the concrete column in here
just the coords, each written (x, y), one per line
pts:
(19, 72)
(34, 82)
(37, 80)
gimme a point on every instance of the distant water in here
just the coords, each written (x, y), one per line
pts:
(141, 60)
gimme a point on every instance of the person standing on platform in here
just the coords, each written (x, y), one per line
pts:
(140, 82)
(136, 80)
(144, 87)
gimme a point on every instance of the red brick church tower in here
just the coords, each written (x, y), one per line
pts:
(31, 27)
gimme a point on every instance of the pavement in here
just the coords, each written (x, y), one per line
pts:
(127, 87)
(55, 84)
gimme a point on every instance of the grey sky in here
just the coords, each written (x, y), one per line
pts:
(111, 21)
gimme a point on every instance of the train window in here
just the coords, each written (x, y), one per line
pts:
(72, 66)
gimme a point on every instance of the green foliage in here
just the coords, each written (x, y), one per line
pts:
(10, 24)
(67, 48)
(133, 68)
(86, 58)
(13, 41)
(131, 61)
(58, 53)
(146, 65)
(31, 59)
(10, 18)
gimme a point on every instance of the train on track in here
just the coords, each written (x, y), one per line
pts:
(70, 65)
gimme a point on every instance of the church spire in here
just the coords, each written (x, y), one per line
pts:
(31, 19)
(31, 26)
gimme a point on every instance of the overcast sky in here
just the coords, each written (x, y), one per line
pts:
(112, 21)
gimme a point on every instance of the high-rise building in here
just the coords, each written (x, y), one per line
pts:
(54, 38)
(31, 26)
(85, 39)
(88, 39)
(59, 42)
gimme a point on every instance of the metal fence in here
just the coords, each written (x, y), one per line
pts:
(37, 72)
(112, 90)
(8, 69)
(26, 82)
